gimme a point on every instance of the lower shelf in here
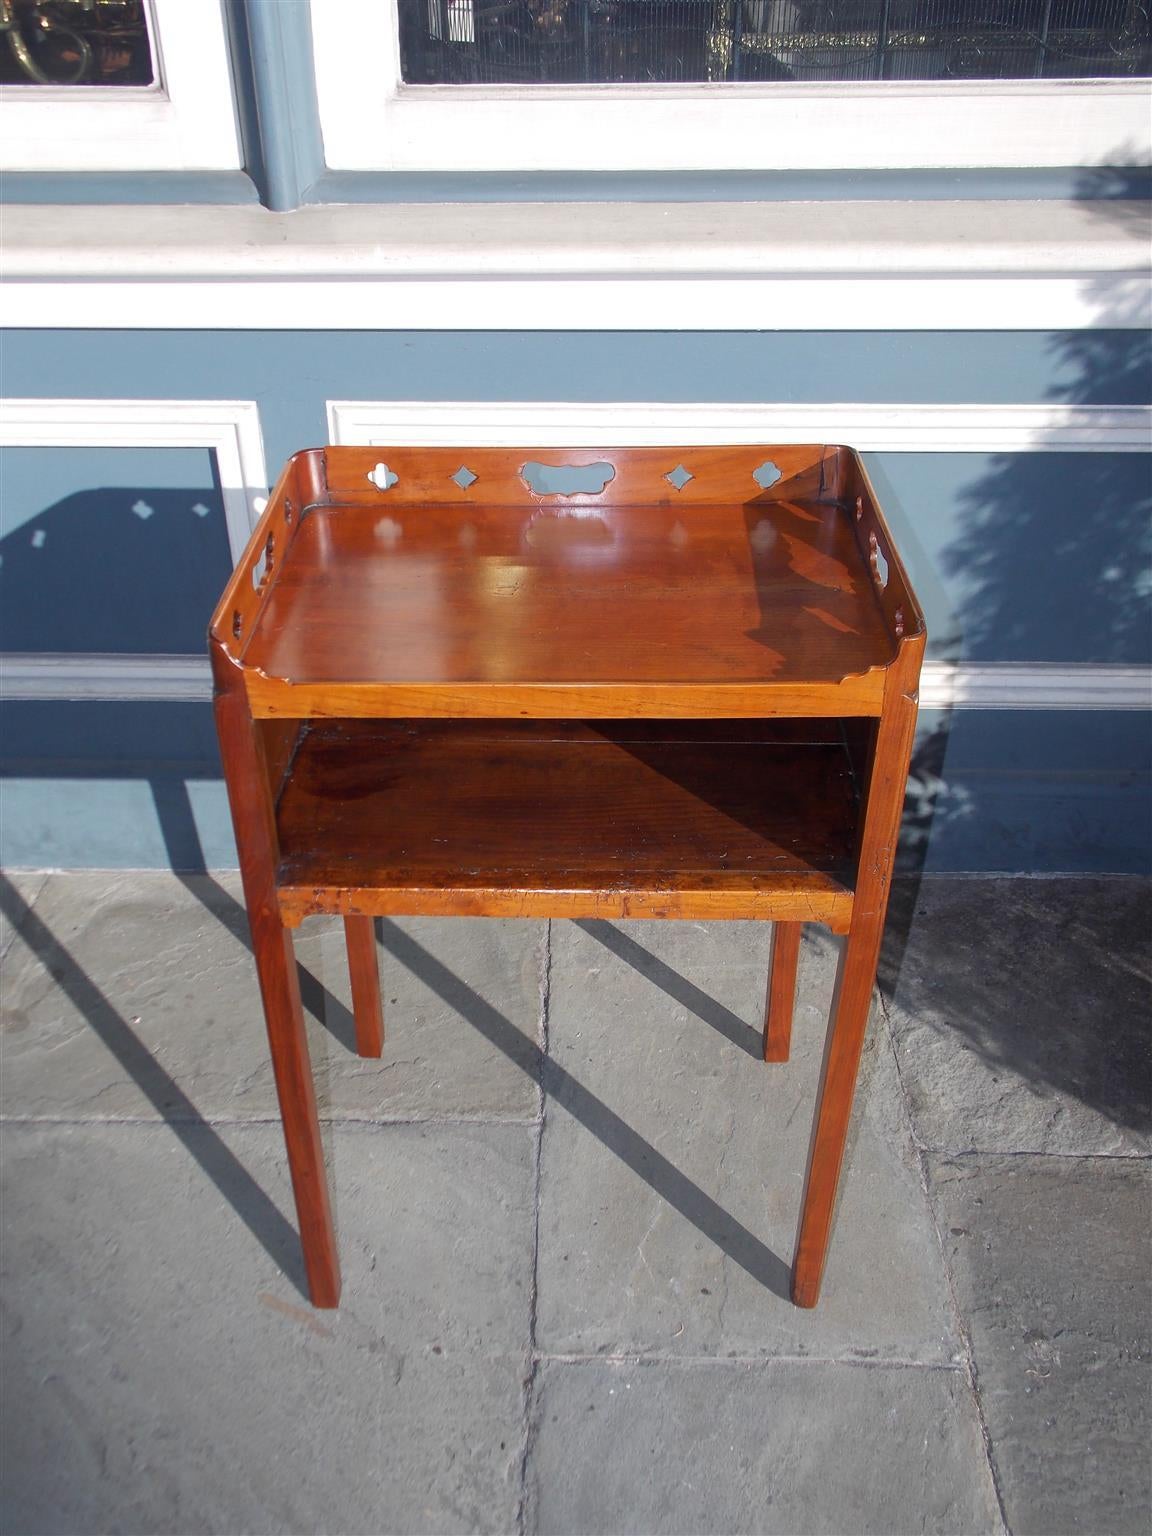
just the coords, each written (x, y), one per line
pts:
(691, 819)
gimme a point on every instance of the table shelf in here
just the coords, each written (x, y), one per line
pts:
(692, 819)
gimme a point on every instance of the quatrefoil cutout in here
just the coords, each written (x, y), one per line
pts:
(464, 477)
(679, 477)
(382, 477)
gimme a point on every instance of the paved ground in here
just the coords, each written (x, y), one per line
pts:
(566, 1201)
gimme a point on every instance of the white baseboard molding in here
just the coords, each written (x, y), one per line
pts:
(943, 685)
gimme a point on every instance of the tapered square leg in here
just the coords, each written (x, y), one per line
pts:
(283, 1015)
(781, 998)
(834, 1111)
(247, 774)
(364, 970)
(884, 801)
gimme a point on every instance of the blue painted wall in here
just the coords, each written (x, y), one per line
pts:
(109, 549)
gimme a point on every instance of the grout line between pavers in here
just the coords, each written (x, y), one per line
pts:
(532, 1362)
(1067, 1157)
(968, 1357)
(745, 1362)
(30, 903)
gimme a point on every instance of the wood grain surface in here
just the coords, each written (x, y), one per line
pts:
(597, 818)
(631, 595)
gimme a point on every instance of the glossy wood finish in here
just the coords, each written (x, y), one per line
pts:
(424, 476)
(594, 818)
(364, 974)
(247, 777)
(629, 605)
(781, 998)
(478, 698)
(857, 974)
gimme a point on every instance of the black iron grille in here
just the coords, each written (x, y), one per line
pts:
(476, 42)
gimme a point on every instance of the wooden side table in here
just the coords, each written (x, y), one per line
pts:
(688, 691)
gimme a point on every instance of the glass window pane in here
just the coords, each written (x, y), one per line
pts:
(75, 42)
(475, 42)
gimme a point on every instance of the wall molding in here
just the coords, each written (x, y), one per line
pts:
(1034, 685)
(867, 427)
(951, 264)
(943, 685)
(92, 678)
(230, 429)
(885, 302)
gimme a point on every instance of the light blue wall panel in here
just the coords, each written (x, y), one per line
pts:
(116, 786)
(109, 549)
(1044, 791)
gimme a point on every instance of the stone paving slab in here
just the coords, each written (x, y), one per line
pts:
(672, 1161)
(1020, 1013)
(150, 1007)
(24, 886)
(781, 1447)
(163, 1375)
(1052, 1263)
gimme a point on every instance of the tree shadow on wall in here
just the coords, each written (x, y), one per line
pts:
(1054, 547)
(1053, 553)
(115, 569)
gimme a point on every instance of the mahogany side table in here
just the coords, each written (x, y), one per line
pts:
(683, 685)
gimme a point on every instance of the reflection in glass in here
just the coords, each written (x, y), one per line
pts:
(555, 41)
(74, 42)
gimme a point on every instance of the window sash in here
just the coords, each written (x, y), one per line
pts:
(371, 120)
(186, 123)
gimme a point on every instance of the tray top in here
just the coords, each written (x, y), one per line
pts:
(426, 594)
(725, 586)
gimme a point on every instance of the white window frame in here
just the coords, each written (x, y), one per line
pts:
(372, 121)
(185, 121)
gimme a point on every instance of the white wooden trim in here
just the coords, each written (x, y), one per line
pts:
(185, 122)
(230, 429)
(593, 304)
(867, 427)
(943, 685)
(883, 265)
(865, 238)
(1034, 685)
(371, 121)
(90, 677)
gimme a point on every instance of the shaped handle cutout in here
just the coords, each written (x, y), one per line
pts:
(877, 561)
(567, 479)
